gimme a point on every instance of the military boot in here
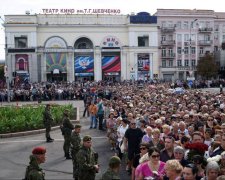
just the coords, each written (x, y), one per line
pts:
(48, 140)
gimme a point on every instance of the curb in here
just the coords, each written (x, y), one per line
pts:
(26, 133)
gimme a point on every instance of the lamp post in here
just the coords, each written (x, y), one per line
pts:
(6, 64)
(190, 38)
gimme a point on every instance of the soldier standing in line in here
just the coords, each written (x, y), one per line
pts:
(33, 171)
(47, 120)
(87, 160)
(75, 147)
(67, 128)
(113, 170)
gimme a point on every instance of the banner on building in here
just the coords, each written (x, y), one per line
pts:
(56, 61)
(22, 62)
(84, 65)
(111, 64)
(143, 62)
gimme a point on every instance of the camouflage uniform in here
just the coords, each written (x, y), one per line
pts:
(76, 145)
(33, 171)
(86, 160)
(68, 127)
(110, 175)
(47, 120)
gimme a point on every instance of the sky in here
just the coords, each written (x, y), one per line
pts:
(8, 7)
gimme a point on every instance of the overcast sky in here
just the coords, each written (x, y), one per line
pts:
(126, 7)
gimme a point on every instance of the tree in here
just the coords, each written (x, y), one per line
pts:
(207, 67)
(2, 72)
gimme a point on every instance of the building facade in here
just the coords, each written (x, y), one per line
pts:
(184, 37)
(68, 47)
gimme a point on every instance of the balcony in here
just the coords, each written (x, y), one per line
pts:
(205, 30)
(186, 68)
(167, 29)
(168, 68)
(205, 43)
(168, 56)
(168, 43)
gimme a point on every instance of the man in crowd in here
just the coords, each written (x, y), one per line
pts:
(132, 140)
(75, 147)
(87, 160)
(47, 120)
(33, 171)
(100, 113)
(167, 153)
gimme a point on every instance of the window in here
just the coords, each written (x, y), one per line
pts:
(163, 23)
(185, 25)
(82, 45)
(223, 37)
(178, 25)
(163, 52)
(179, 50)
(163, 37)
(201, 50)
(186, 37)
(186, 62)
(170, 52)
(170, 63)
(143, 41)
(163, 63)
(192, 37)
(170, 37)
(216, 48)
(207, 37)
(170, 24)
(192, 50)
(179, 63)
(20, 42)
(193, 62)
(186, 50)
(179, 37)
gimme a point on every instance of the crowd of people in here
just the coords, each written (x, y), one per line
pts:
(47, 91)
(164, 128)
(160, 134)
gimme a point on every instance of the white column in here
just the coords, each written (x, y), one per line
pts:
(151, 65)
(43, 67)
(97, 64)
(124, 65)
(135, 62)
(31, 69)
(70, 67)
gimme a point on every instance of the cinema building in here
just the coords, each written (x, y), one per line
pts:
(70, 47)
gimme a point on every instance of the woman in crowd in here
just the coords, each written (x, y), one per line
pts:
(148, 136)
(152, 168)
(120, 134)
(179, 155)
(111, 124)
(144, 147)
(173, 170)
(156, 141)
(212, 171)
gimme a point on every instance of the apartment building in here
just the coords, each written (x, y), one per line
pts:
(184, 37)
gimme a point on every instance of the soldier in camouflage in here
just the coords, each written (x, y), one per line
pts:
(47, 120)
(67, 129)
(87, 160)
(113, 170)
(33, 171)
(75, 147)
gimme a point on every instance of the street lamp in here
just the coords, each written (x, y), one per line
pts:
(6, 63)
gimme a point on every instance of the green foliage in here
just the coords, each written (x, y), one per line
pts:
(2, 72)
(16, 119)
(207, 67)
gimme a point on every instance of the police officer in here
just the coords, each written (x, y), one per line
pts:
(87, 160)
(33, 171)
(68, 127)
(75, 147)
(113, 171)
(47, 120)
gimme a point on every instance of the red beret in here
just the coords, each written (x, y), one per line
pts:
(39, 150)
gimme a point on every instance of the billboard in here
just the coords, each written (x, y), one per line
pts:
(143, 62)
(111, 64)
(84, 64)
(56, 61)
